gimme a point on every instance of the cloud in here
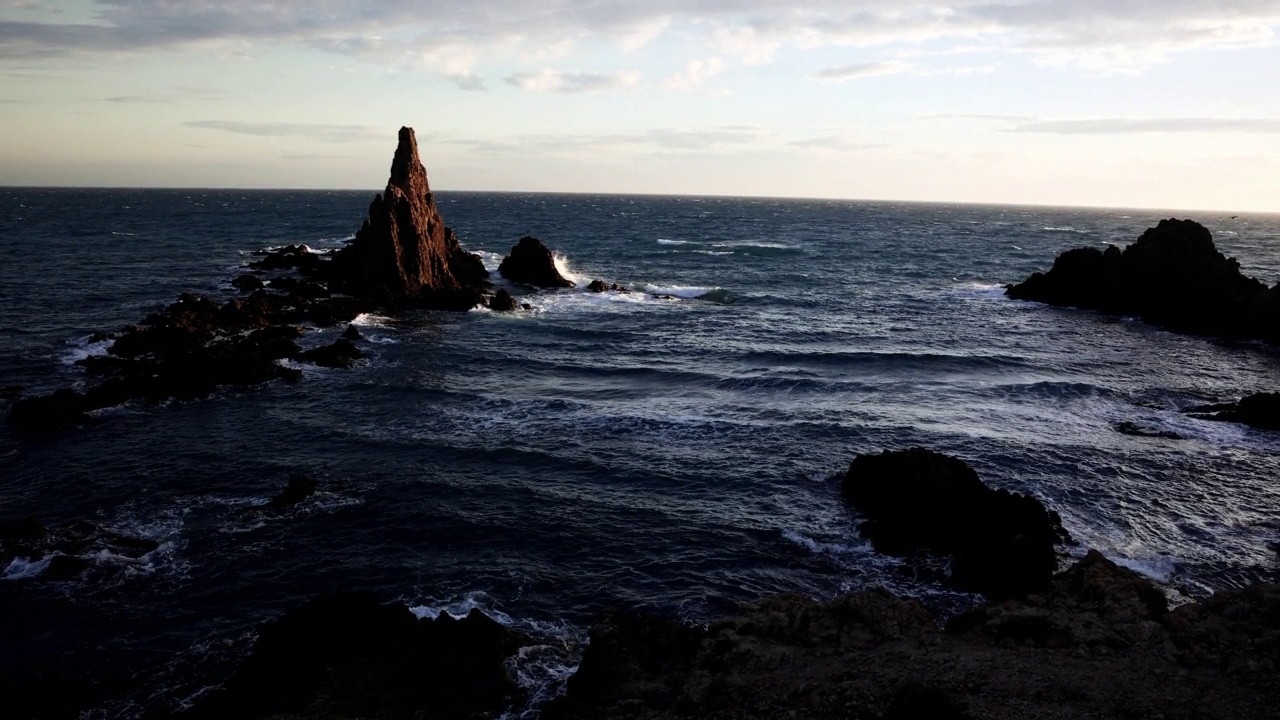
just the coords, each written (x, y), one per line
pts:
(469, 83)
(833, 144)
(843, 73)
(556, 81)
(1133, 126)
(695, 73)
(309, 131)
(1089, 34)
(658, 140)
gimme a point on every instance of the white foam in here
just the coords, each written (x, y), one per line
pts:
(562, 266)
(713, 252)
(371, 320)
(81, 348)
(1160, 568)
(23, 568)
(1066, 229)
(665, 241)
(819, 547)
(687, 292)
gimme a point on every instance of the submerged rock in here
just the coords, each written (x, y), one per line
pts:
(1172, 276)
(404, 252)
(532, 263)
(1260, 410)
(352, 333)
(342, 353)
(300, 488)
(1001, 543)
(348, 656)
(1127, 427)
(248, 283)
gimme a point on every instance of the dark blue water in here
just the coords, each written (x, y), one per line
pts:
(667, 453)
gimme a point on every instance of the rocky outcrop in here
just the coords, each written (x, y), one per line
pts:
(1099, 642)
(502, 302)
(532, 263)
(66, 551)
(1173, 276)
(599, 286)
(349, 656)
(404, 256)
(1260, 410)
(404, 252)
(1001, 544)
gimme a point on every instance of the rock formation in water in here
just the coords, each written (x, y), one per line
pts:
(1260, 410)
(349, 656)
(531, 263)
(1000, 543)
(1173, 276)
(404, 256)
(404, 251)
(1098, 642)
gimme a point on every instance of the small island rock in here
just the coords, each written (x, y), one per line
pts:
(532, 263)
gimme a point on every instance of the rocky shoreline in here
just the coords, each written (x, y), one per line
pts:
(1096, 640)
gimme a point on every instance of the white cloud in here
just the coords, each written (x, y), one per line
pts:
(1096, 35)
(844, 73)
(1131, 126)
(695, 73)
(556, 81)
(310, 131)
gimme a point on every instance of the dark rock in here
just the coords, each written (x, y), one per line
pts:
(59, 409)
(1173, 276)
(404, 251)
(348, 656)
(1094, 603)
(305, 289)
(599, 286)
(300, 488)
(1260, 410)
(64, 567)
(1098, 643)
(352, 333)
(916, 702)
(20, 538)
(502, 302)
(1131, 428)
(1001, 543)
(631, 660)
(531, 263)
(291, 257)
(248, 283)
(341, 354)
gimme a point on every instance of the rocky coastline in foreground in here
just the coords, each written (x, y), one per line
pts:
(1096, 640)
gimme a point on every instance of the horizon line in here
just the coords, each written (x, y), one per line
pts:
(973, 203)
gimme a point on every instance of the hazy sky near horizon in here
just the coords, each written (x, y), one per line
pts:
(1170, 104)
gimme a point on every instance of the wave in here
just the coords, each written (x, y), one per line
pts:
(23, 568)
(820, 547)
(689, 292)
(562, 266)
(894, 360)
(1065, 229)
(665, 241)
(86, 347)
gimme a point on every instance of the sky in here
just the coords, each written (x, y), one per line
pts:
(1114, 103)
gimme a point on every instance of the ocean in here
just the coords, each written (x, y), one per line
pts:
(674, 449)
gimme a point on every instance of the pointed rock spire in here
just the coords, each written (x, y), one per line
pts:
(404, 251)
